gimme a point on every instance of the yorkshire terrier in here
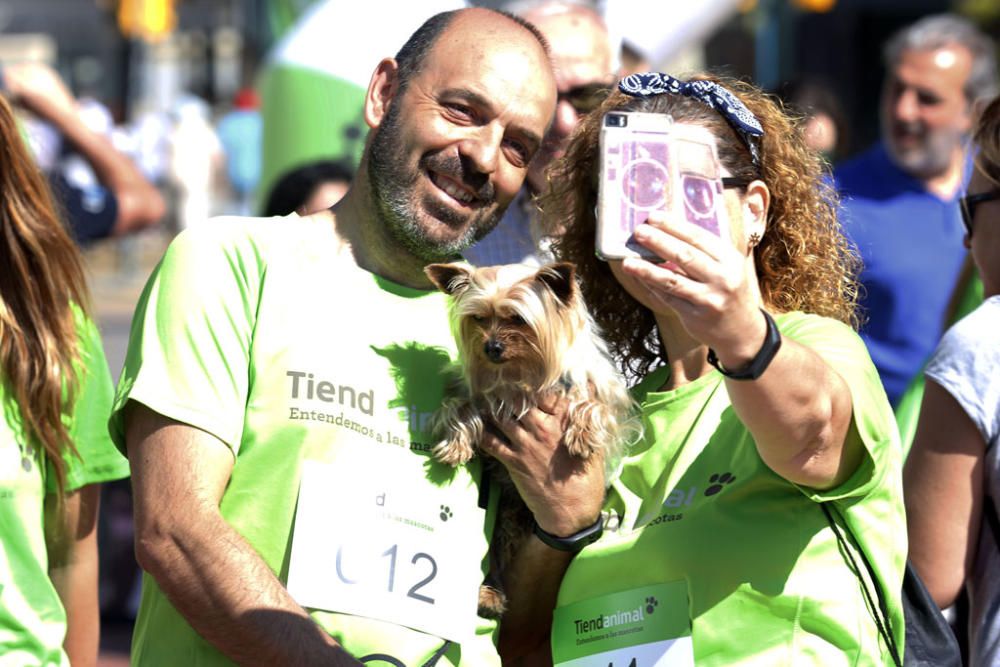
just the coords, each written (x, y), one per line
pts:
(524, 333)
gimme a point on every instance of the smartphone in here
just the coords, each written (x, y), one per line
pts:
(649, 163)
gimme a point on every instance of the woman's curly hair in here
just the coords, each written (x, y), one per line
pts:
(803, 262)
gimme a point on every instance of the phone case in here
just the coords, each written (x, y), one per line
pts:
(649, 163)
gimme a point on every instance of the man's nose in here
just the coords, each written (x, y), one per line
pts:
(482, 147)
(905, 107)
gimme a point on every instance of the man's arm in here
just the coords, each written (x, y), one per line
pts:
(565, 495)
(71, 539)
(211, 575)
(39, 89)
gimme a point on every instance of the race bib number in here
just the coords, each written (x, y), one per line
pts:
(642, 627)
(375, 538)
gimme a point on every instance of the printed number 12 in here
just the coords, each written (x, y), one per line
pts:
(391, 553)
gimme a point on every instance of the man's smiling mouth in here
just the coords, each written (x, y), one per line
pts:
(452, 189)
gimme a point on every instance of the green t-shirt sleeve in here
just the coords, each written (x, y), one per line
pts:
(99, 461)
(872, 418)
(189, 348)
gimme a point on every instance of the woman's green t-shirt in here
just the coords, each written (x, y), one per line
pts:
(710, 552)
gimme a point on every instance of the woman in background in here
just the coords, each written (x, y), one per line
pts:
(952, 475)
(54, 446)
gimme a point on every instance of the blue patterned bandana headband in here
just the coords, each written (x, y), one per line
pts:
(741, 119)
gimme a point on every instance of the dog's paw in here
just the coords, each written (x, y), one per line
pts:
(579, 441)
(492, 602)
(453, 452)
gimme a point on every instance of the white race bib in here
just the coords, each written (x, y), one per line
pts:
(375, 538)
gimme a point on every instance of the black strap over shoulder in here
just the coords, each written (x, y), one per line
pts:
(930, 641)
(880, 610)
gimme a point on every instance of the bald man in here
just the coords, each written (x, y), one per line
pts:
(281, 377)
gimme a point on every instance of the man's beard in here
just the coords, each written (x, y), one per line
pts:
(393, 185)
(930, 157)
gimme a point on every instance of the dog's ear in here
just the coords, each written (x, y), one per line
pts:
(560, 279)
(451, 279)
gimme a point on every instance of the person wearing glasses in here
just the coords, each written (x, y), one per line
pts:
(582, 58)
(770, 465)
(952, 476)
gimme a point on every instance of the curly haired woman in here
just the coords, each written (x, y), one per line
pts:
(760, 521)
(54, 445)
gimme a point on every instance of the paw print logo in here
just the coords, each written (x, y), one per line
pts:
(445, 513)
(718, 482)
(651, 604)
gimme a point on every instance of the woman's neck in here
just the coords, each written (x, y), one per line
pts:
(688, 358)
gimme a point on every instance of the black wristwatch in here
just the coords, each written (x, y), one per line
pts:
(571, 543)
(759, 364)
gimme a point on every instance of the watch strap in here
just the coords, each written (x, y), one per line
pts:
(571, 543)
(759, 364)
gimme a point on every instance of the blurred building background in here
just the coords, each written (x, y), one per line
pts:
(143, 55)
(135, 55)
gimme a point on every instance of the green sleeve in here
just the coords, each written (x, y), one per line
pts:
(189, 347)
(99, 461)
(872, 418)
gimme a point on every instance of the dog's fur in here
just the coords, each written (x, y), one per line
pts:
(524, 333)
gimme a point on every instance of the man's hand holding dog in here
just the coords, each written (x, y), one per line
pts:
(563, 492)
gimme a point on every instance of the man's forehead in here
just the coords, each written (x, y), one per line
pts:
(949, 65)
(510, 68)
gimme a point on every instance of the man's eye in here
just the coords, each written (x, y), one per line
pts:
(520, 155)
(460, 110)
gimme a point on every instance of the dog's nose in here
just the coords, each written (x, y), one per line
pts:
(493, 349)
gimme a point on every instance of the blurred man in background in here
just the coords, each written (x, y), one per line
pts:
(582, 56)
(900, 198)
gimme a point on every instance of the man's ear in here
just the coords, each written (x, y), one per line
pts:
(381, 90)
(756, 204)
(452, 279)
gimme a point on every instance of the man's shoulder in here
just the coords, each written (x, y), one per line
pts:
(871, 181)
(250, 250)
(864, 171)
(262, 236)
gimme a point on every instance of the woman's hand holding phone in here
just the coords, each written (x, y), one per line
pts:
(701, 277)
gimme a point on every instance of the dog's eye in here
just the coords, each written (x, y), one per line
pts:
(517, 320)
(479, 318)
